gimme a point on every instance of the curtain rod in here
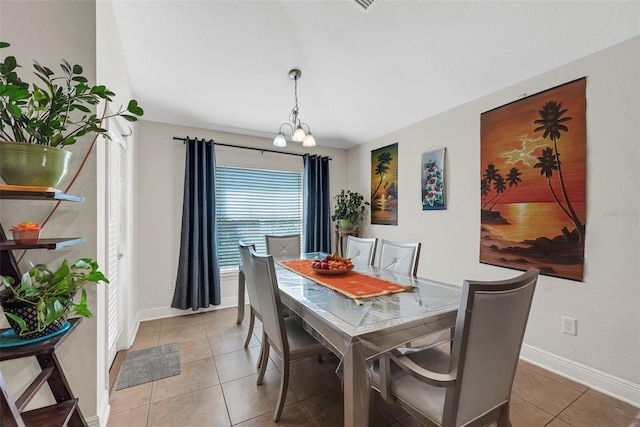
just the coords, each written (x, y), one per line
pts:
(249, 148)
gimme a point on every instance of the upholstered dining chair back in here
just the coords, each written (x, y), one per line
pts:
(471, 386)
(400, 258)
(490, 327)
(283, 246)
(246, 269)
(361, 250)
(286, 335)
(269, 297)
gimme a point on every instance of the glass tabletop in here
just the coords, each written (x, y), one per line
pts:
(369, 315)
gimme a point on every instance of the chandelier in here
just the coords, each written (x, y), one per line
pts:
(298, 134)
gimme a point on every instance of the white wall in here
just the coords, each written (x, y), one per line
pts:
(606, 351)
(111, 71)
(160, 179)
(59, 30)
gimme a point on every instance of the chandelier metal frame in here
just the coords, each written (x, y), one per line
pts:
(297, 132)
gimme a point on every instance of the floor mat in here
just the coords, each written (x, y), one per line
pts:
(150, 364)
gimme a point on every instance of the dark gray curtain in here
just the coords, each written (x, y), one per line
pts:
(198, 281)
(317, 202)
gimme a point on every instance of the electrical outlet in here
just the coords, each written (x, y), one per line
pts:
(569, 325)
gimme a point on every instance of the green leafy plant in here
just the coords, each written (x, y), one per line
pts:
(51, 293)
(350, 205)
(57, 113)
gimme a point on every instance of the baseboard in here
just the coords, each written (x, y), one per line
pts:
(100, 420)
(116, 368)
(162, 312)
(95, 422)
(603, 382)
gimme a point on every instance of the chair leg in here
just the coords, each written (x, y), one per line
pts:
(265, 359)
(284, 386)
(372, 403)
(252, 320)
(503, 420)
(259, 364)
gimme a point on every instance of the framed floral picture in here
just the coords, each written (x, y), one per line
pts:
(533, 182)
(433, 180)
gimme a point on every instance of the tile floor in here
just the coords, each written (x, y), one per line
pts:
(216, 387)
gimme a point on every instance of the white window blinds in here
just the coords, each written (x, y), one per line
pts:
(251, 203)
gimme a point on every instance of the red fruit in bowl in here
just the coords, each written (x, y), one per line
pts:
(327, 258)
(324, 266)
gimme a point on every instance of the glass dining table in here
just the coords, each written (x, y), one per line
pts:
(359, 330)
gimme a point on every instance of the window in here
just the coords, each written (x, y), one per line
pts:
(251, 203)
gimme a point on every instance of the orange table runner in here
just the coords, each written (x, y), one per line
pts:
(352, 284)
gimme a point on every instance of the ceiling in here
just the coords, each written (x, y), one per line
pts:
(224, 65)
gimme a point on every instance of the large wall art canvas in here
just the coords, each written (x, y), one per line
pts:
(533, 182)
(384, 185)
(433, 197)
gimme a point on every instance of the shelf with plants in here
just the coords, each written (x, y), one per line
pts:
(37, 124)
(8, 265)
(66, 410)
(49, 243)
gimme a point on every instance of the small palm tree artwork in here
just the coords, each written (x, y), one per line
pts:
(384, 185)
(533, 182)
(382, 167)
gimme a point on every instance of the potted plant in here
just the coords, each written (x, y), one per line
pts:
(350, 208)
(40, 119)
(26, 232)
(40, 303)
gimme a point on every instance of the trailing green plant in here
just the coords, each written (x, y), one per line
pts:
(51, 292)
(350, 205)
(57, 113)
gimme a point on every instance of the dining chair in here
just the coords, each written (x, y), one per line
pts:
(471, 384)
(361, 250)
(281, 246)
(400, 258)
(254, 303)
(285, 335)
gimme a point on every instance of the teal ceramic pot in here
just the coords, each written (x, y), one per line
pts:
(33, 164)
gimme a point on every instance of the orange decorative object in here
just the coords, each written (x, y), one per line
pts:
(353, 285)
(26, 232)
(26, 226)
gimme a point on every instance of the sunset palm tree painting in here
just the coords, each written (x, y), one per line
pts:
(384, 185)
(533, 182)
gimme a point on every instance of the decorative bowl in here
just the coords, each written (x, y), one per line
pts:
(332, 272)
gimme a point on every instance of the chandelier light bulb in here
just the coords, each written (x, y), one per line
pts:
(280, 140)
(299, 135)
(309, 141)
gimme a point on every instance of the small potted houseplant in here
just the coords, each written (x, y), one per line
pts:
(350, 208)
(40, 303)
(26, 232)
(41, 119)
